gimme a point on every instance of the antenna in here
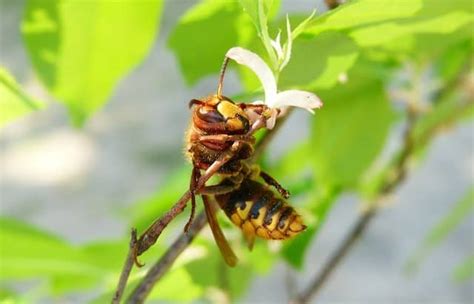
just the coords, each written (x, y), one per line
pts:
(221, 77)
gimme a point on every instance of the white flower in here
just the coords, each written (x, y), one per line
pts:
(273, 99)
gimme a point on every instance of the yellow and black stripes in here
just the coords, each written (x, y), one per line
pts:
(256, 210)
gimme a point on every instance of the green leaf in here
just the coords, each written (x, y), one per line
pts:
(80, 50)
(454, 59)
(351, 129)
(251, 8)
(320, 203)
(50, 254)
(361, 13)
(145, 211)
(386, 32)
(218, 275)
(317, 63)
(27, 252)
(440, 232)
(14, 103)
(443, 114)
(292, 162)
(373, 23)
(294, 251)
(177, 285)
(465, 271)
(225, 25)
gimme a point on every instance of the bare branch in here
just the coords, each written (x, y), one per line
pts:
(400, 167)
(127, 268)
(166, 261)
(344, 248)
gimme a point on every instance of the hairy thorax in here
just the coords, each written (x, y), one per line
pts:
(213, 121)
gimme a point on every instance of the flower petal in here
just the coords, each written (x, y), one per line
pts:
(272, 119)
(297, 98)
(258, 66)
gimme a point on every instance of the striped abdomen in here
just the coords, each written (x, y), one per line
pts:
(256, 210)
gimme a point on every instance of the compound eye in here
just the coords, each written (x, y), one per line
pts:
(210, 115)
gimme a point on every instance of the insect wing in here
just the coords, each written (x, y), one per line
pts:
(227, 252)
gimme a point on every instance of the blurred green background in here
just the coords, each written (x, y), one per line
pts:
(93, 108)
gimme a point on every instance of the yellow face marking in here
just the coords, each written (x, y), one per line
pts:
(212, 100)
(245, 212)
(230, 111)
(234, 124)
(248, 228)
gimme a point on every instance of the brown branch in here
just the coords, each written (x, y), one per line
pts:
(344, 248)
(127, 267)
(160, 268)
(400, 165)
(148, 238)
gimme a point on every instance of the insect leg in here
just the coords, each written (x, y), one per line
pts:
(272, 182)
(218, 163)
(225, 137)
(227, 154)
(195, 175)
(218, 189)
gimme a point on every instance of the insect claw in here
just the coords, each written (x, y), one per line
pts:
(135, 257)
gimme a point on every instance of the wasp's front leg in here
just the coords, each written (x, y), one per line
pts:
(224, 138)
(195, 175)
(222, 188)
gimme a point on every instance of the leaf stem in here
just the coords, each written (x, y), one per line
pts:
(265, 36)
(127, 268)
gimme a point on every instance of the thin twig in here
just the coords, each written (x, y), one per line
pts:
(150, 236)
(164, 263)
(401, 168)
(346, 245)
(127, 267)
(365, 218)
